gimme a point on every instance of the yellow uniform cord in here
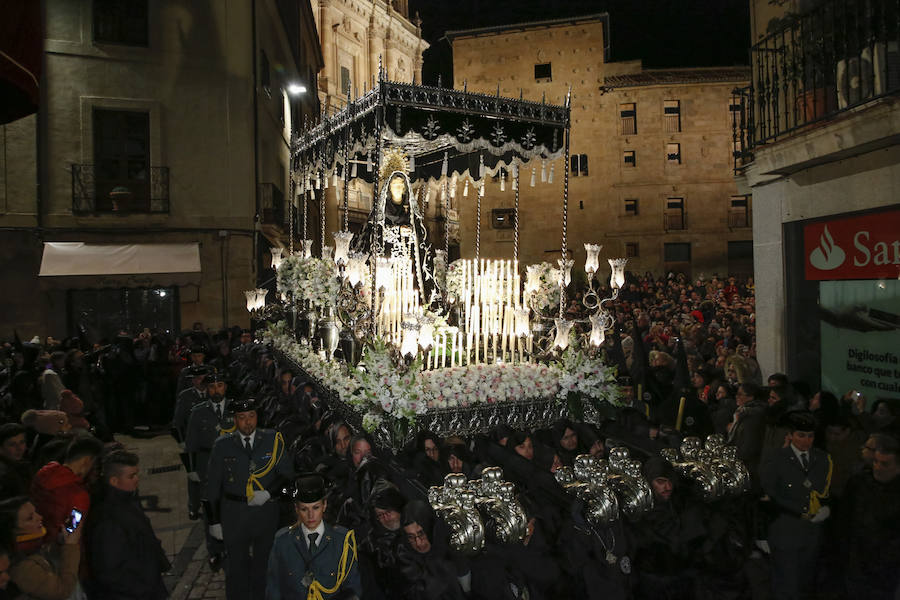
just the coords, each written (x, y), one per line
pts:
(317, 591)
(814, 496)
(255, 476)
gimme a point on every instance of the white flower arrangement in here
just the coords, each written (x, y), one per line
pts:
(546, 298)
(586, 375)
(379, 387)
(310, 280)
(454, 279)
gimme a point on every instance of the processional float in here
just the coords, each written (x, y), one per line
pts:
(399, 340)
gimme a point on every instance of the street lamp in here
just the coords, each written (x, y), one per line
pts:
(295, 89)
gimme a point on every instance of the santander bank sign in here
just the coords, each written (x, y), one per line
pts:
(864, 247)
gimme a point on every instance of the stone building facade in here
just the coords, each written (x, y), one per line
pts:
(160, 123)
(651, 173)
(823, 153)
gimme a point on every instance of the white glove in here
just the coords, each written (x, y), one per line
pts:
(820, 516)
(259, 498)
(216, 531)
(194, 476)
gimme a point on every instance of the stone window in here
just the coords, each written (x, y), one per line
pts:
(345, 81)
(632, 250)
(676, 217)
(677, 252)
(630, 158)
(631, 206)
(503, 218)
(121, 22)
(628, 114)
(672, 116)
(543, 72)
(673, 153)
(579, 165)
(122, 157)
(739, 212)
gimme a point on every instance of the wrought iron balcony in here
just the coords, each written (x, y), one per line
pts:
(145, 191)
(815, 65)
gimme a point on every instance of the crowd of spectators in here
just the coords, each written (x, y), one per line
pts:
(673, 340)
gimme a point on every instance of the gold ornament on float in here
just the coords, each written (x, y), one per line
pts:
(394, 159)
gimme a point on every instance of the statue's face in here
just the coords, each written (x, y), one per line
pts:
(397, 188)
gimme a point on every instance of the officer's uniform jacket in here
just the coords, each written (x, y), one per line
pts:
(203, 429)
(185, 402)
(230, 467)
(788, 485)
(292, 568)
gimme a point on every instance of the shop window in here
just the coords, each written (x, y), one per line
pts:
(122, 22)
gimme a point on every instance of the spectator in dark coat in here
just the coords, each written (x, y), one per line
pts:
(870, 526)
(748, 426)
(15, 471)
(127, 560)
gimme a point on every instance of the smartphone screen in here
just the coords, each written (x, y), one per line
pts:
(73, 521)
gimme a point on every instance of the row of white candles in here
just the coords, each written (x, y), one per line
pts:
(400, 298)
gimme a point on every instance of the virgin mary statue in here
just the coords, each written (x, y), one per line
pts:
(395, 226)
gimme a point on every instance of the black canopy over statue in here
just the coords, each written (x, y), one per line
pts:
(441, 133)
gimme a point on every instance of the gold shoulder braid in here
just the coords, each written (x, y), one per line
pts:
(255, 476)
(317, 591)
(814, 496)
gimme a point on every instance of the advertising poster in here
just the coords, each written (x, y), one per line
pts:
(860, 328)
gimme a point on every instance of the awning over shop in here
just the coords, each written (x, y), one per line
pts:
(81, 265)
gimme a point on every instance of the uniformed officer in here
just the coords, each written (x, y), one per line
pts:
(797, 481)
(312, 559)
(245, 470)
(209, 419)
(188, 399)
(198, 358)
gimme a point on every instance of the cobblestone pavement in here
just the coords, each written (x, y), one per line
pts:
(163, 490)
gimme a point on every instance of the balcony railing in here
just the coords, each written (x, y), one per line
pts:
(271, 204)
(815, 65)
(146, 192)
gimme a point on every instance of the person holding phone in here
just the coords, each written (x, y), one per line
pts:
(41, 570)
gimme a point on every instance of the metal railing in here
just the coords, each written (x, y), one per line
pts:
(815, 65)
(147, 191)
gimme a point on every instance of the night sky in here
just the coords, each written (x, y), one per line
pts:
(664, 33)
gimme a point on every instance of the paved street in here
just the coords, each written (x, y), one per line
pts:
(163, 491)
